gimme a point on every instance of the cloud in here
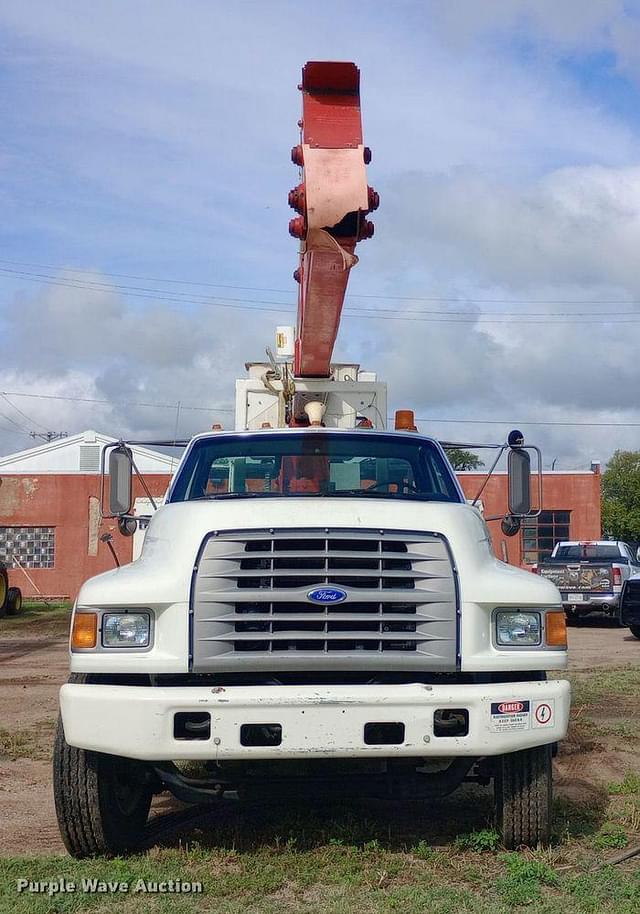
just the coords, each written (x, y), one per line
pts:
(95, 346)
(151, 139)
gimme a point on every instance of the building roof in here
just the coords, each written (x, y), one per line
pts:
(79, 454)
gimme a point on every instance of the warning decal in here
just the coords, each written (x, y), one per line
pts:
(543, 713)
(510, 715)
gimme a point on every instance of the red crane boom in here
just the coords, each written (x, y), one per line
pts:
(332, 199)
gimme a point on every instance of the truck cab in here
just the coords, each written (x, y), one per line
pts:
(311, 606)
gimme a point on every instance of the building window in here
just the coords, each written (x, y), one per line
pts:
(29, 547)
(540, 534)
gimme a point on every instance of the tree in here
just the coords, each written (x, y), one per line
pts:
(621, 496)
(463, 460)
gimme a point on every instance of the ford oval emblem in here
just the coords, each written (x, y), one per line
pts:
(327, 595)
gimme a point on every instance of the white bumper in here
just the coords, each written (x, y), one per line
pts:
(317, 721)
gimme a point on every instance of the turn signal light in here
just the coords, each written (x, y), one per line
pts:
(84, 633)
(556, 629)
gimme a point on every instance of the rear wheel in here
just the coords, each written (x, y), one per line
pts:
(14, 601)
(102, 801)
(4, 590)
(523, 791)
(635, 630)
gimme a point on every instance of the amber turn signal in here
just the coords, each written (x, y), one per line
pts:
(84, 633)
(556, 629)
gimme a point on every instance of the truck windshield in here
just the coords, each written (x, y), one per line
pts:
(314, 463)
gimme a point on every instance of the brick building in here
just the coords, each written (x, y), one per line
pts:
(571, 510)
(50, 521)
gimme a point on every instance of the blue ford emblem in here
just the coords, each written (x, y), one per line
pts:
(327, 595)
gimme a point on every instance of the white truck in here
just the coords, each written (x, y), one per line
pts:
(316, 607)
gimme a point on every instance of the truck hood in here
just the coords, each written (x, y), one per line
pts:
(163, 573)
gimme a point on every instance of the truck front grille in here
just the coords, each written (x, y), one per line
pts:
(250, 605)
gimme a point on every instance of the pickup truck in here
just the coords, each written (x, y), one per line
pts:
(590, 575)
(630, 604)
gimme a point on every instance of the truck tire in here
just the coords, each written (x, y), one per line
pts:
(14, 601)
(4, 590)
(523, 791)
(102, 801)
(635, 630)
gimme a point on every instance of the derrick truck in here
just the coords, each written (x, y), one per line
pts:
(316, 607)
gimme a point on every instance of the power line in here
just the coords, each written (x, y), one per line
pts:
(12, 431)
(227, 409)
(14, 423)
(23, 414)
(463, 317)
(172, 406)
(517, 422)
(378, 297)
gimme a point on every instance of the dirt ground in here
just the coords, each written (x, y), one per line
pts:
(33, 665)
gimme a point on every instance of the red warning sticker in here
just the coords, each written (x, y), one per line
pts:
(543, 713)
(510, 715)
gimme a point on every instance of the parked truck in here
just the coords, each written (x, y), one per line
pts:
(316, 609)
(630, 603)
(590, 575)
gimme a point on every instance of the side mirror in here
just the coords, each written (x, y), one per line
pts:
(120, 481)
(519, 466)
(638, 554)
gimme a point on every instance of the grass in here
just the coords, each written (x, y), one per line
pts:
(55, 615)
(34, 743)
(331, 879)
(371, 859)
(594, 688)
(630, 785)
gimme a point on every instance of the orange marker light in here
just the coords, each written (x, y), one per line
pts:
(556, 629)
(85, 630)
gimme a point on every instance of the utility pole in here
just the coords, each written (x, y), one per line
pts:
(49, 436)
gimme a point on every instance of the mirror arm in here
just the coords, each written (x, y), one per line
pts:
(143, 483)
(488, 476)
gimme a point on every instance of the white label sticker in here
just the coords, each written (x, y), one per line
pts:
(510, 715)
(543, 713)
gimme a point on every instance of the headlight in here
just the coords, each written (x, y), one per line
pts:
(515, 628)
(126, 629)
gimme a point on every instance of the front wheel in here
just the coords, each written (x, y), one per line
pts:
(102, 801)
(14, 601)
(635, 630)
(523, 791)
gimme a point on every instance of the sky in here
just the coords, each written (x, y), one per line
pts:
(144, 250)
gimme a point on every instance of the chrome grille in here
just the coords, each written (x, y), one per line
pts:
(250, 608)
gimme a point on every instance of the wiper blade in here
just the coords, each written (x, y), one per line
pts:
(215, 495)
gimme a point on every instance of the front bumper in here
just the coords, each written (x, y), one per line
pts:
(317, 721)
